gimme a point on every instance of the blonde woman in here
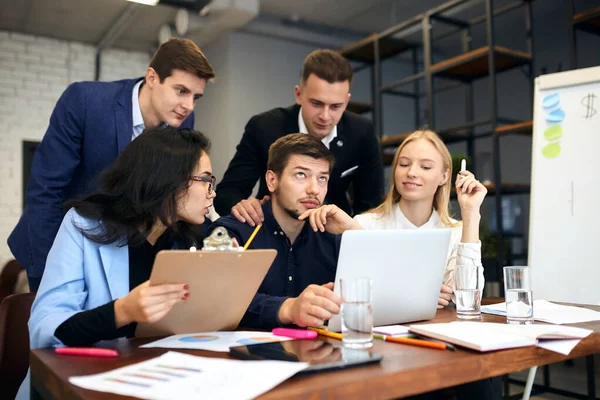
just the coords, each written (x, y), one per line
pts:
(419, 198)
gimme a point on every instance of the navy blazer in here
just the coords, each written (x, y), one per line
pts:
(90, 125)
(358, 162)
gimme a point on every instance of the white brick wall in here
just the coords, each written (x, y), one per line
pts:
(34, 71)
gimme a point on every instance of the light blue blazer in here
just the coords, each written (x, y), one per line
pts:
(80, 275)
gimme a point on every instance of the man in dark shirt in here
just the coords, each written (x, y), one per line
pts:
(298, 289)
(322, 96)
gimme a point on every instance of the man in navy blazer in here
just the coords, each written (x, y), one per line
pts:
(320, 111)
(90, 125)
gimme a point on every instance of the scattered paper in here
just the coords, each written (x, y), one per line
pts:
(215, 341)
(546, 311)
(392, 330)
(559, 346)
(190, 377)
(544, 331)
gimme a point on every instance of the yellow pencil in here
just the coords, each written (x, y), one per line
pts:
(252, 236)
(324, 332)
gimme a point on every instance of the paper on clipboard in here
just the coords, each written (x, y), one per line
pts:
(221, 286)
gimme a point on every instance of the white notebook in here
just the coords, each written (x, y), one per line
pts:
(485, 336)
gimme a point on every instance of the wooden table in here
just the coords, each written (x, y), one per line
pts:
(405, 370)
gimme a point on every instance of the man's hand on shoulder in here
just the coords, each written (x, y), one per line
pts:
(250, 210)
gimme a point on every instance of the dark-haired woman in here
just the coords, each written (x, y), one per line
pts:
(95, 286)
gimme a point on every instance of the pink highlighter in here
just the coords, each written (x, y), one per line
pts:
(295, 333)
(86, 351)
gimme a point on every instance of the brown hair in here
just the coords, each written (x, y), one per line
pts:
(182, 54)
(441, 199)
(328, 65)
(296, 144)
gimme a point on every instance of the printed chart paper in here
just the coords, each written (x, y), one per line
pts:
(215, 341)
(183, 376)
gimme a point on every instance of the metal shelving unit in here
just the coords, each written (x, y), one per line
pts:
(485, 62)
(473, 64)
(586, 21)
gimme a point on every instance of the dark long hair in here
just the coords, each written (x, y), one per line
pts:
(143, 184)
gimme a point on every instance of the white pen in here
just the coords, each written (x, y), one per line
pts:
(463, 166)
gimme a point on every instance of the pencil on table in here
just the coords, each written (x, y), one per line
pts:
(327, 333)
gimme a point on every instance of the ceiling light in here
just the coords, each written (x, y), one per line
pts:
(145, 2)
(188, 21)
(165, 33)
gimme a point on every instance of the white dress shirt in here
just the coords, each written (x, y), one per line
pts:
(326, 140)
(458, 253)
(138, 128)
(136, 111)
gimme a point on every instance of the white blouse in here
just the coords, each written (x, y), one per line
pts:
(458, 253)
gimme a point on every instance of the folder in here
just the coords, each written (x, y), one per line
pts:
(221, 286)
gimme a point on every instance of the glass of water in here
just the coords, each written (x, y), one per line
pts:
(357, 313)
(519, 297)
(467, 291)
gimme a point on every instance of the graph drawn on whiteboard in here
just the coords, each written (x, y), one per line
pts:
(565, 187)
(554, 115)
(588, 104)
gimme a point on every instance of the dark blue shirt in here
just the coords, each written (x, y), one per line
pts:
(312, 259)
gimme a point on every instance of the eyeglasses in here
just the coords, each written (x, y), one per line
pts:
(211, 181)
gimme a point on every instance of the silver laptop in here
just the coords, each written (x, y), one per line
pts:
(406, 268)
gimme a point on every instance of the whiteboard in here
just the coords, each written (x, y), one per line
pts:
(564, 234)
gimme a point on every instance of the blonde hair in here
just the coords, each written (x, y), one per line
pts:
(441, 199)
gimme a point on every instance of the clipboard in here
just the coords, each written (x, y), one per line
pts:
(222, 282)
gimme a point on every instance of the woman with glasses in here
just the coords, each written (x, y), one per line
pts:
(96, 283)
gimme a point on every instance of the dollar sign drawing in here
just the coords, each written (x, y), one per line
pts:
(588, 103)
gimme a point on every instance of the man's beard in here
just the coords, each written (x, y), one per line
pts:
(294, 213)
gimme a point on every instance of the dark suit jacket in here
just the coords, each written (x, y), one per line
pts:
(90, 125)
(355, 145)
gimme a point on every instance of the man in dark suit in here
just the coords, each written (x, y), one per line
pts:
(90, 125)
(321, 100)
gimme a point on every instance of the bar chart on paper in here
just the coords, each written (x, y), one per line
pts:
(191, 377)
(565, 187)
